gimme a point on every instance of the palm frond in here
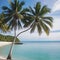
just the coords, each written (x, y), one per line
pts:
(12, 5)
(44, 10)
(6, 20)
(45, 28)
(48, 23)
(39, 28)
(33, 26)
(24, 11)
(20, 5)
(31, 10)
(38, 7)
(19, 25)
(48, 18)
(10, 24)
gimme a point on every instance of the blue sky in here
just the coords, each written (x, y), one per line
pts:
(55, 13)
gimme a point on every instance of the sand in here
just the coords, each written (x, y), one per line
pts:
(3, 44)
(2, 58)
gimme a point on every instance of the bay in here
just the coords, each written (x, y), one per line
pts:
(33, 51)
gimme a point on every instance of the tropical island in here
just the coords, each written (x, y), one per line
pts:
(8, 38)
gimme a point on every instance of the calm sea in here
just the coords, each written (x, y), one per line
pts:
(34, 51)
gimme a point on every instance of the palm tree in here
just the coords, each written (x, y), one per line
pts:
(3, 27)
(38, 19)
(14, 17)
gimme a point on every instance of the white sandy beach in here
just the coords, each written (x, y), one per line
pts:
(2, 58)
(3, 44)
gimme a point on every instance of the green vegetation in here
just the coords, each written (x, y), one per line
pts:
(8, 38)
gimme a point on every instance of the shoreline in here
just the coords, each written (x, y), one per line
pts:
(4, 43)
(2, 58)
(1, 45)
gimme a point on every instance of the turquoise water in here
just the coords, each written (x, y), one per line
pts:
(33, 51)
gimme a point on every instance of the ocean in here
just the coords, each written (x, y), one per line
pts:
(33, 51)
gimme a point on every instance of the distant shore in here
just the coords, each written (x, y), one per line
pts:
(18, 43)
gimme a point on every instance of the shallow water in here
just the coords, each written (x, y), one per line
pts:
(33, 51)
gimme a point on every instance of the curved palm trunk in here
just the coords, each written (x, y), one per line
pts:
(11, 49)
(10, 52)
(23, 31)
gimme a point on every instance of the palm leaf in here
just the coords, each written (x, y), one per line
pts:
(10, 24)
(37, 8)
(44, 10)
(12, 5)
(48, 18)
(48, 22)
(31, 10)
(33, 26)
(45, 28)
(39, 28)
(24, 11)
(19, 25)
(20, 5)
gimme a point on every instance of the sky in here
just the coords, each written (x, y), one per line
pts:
(54, 35)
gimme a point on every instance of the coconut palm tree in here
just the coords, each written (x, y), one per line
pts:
(39, 19)
(14, 17)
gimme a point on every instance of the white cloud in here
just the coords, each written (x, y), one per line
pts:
(56, 23)
(56, 6)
